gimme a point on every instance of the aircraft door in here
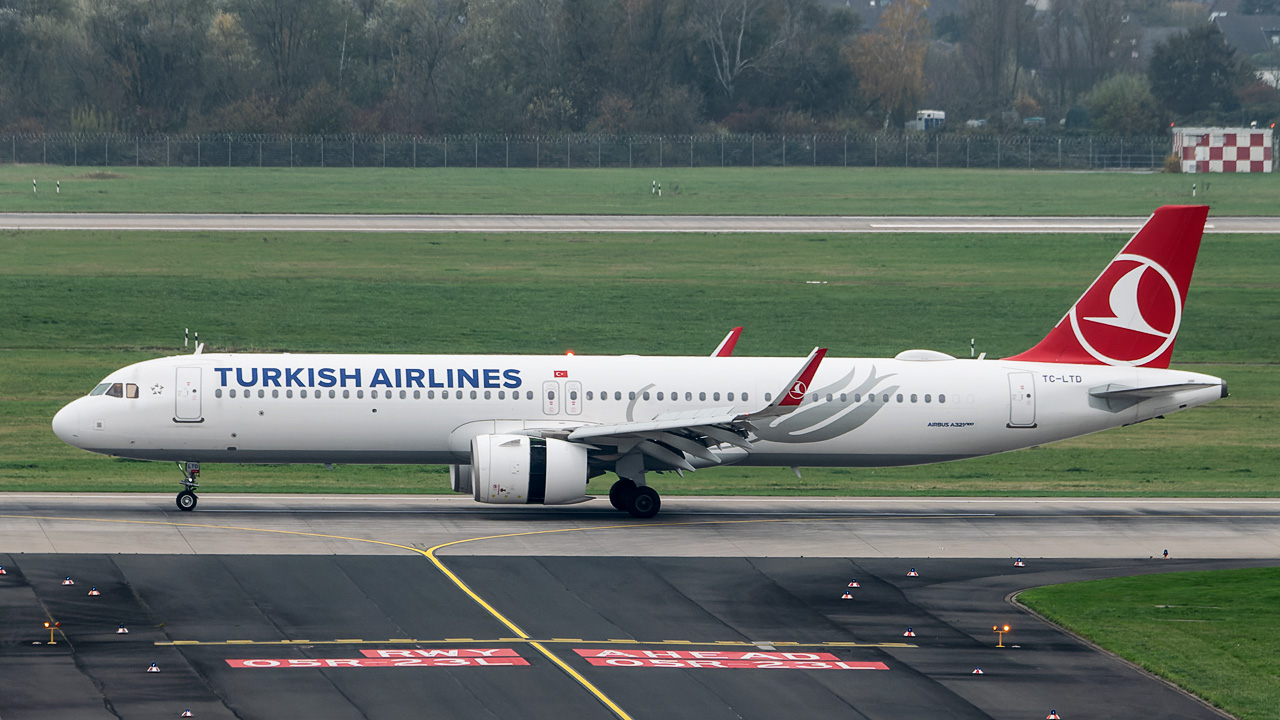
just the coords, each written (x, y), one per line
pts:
(186, 396)
(550, 397)
(1022, 400)
(573, 397)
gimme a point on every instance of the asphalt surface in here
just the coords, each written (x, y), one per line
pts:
(295, 607)
(601, 223)
(687, 526)
(314, 579)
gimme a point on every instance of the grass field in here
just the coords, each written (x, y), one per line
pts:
(711, 191)
(1216, 633)
(78, 305)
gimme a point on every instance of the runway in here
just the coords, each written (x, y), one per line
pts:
(601, 223)
(338, 606)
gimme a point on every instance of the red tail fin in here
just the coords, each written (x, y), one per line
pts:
(1131, 313)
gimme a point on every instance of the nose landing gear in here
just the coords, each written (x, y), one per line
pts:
(187, 498)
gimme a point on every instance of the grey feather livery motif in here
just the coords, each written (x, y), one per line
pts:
(823, 420)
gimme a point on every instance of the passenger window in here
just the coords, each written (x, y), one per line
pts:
(871, 397)
(359, 394)
(744, 397)
(715, 396)
(702, 396)
(913, 397)
(646, 396)
(885, 397)
(688, 397)
(417, 394)
(942, 398)
(99, 389)
(301, 393)
(217, 393)
(589, 395)
(333, 394)
(659, 396)
(829, 398)
(617, 395)
(551, 394)
(116, 390)
(288, 393)
(528, 394)
(768, 397)
(502, 394)
(431, 394)
(928, 398)
(131, 391)
(631, 395)
(729, 397)
(233, 392)
(275, 393)
(899, 397)
(487, 394)
(473, 394)
(404, 394)
(573, 394)
(844, 397)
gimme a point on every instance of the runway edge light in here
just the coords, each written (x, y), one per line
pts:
(977, 671)
(186, 713)
(68, 581)
(847, 595)
(93, 591)
(909, 633)
(3, 571)
(122, 630)
(1053, 715)
(1019, 563)
(912, 573)
(153, 668)
(852, 583)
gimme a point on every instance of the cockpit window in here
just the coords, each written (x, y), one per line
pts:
(116, 390)
(131, 391)
(100, 389)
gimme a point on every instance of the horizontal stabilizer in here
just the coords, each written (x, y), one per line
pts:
(1112, 391)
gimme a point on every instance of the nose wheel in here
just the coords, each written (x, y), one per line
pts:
(187, 498)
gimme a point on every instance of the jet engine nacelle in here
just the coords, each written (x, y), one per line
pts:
(518, 469)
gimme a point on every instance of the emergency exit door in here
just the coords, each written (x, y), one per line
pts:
(186, 396)
(1022, 400)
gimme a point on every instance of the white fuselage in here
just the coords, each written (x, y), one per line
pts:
(260, 408)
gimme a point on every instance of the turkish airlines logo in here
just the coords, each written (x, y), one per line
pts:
(798, 390)
(1131, 314)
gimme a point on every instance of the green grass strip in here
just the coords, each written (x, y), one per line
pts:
(1216, 633)
(686, 191)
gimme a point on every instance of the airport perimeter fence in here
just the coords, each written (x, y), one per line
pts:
(578, 151)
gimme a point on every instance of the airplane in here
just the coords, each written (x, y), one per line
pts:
(530, 430)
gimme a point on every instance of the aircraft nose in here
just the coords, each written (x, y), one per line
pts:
(66, 424)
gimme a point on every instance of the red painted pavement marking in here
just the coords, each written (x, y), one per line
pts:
(441, 653)
(719, 659)
(261, 663)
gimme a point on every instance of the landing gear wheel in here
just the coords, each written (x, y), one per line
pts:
(619, 492)
(186, 501)
(644, 502)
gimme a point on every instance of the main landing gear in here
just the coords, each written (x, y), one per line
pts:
(187, 498)
(640, 501)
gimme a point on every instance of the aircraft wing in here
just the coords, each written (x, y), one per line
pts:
(670, 437)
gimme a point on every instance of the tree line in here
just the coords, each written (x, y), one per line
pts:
(608, 66)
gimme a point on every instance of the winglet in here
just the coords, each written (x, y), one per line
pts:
(793, 393)
(725, 348)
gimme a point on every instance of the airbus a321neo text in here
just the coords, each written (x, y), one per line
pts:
(521, 429)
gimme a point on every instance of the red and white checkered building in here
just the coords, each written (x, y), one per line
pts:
(1241, 150)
